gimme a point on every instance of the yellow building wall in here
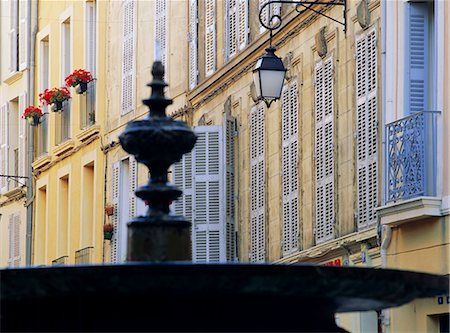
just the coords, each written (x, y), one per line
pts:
(69, 214)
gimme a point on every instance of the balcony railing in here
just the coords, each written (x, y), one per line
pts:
(88, 107)
(84, 256)
(411, 156)
(64, 130)
(60, 261)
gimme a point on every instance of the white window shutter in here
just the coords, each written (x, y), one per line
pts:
(193, 22)
(161, 29)
(243, 23)
(257, 184)
(13, 34)
(91, 36)
(324, 150)
(115, 217)
(128, 54)
(14, 240)
(182, 179)
(23, 35)
(232, 27)
(209, 229)
(132, 187)
(4, 135)
(22, 136)
(268, 12)
(228, 143)
(366, 127)
(289, 105)
(210, 36)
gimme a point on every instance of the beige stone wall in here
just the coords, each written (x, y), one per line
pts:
(233, 80)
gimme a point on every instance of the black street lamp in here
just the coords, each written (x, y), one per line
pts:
(269, 71)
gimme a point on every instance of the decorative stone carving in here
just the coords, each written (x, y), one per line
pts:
(321, 43)
(287, 62)
(363, 14)
(253, 92)
(202, 121)
(227, 106)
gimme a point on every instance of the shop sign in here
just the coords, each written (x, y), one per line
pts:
(334, 262)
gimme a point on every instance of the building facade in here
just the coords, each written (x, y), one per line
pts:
(15, 85)
(69, 162)
(416, 167)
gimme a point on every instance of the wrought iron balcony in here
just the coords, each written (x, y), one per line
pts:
(60, 261)
(88, 105)
(84, 256)
(411, 156)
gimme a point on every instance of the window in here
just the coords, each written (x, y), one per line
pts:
(419, 39)
(23, 34)
(193, 36)
(236, 26)
(268, 12)
(41, 226)
(257, 185)
(66, 61)
(210, 37)
(128, 53)
(88, 99)
(124, 180)
(63, 216)
(14, 36)
(44, 83)
(366, 127)
(161, 31)
(14, 240)
(324, 150)
(206, 177)
(87, 223)
(289, 167)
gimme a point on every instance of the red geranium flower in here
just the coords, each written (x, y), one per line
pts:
(32, 111)
(78, 76)
(54, 95)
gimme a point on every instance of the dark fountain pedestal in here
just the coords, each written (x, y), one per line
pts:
(161, 291)
(192, 298)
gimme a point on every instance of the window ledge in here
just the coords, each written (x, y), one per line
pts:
(13, 77)
(395, 214)
(41, 162)
(64, 147)
(88, 133)
(15, 193)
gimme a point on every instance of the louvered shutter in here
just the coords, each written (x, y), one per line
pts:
(16, 237)
(257, 185)
(115, 217)
(132, 187)
(417, 66)
(209, 229)
(289, 106)
(161, 29)
(324, 150)
(232, 24)
(268, 12)
(229, 123)
(22, 137)
(23, 35)
(91, 36)
(182, 178)
(13, 36)
(193, 66)
(242, 23)
(128, 54)
(14, 240)
(4, 135)
(366, 127)
(210, 36)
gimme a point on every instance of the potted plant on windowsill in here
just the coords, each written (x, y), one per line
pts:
(108, 231)
(55, 97)
(79, 79)
(33, 115)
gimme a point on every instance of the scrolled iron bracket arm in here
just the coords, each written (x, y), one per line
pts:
(274, 22)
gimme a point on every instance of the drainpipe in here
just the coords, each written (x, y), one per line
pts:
(386, 235)
(32, 31)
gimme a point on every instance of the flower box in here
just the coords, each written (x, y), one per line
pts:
(55, 97)
(79, 79)
(33, 115)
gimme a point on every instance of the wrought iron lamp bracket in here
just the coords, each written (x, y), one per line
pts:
(274, 22)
